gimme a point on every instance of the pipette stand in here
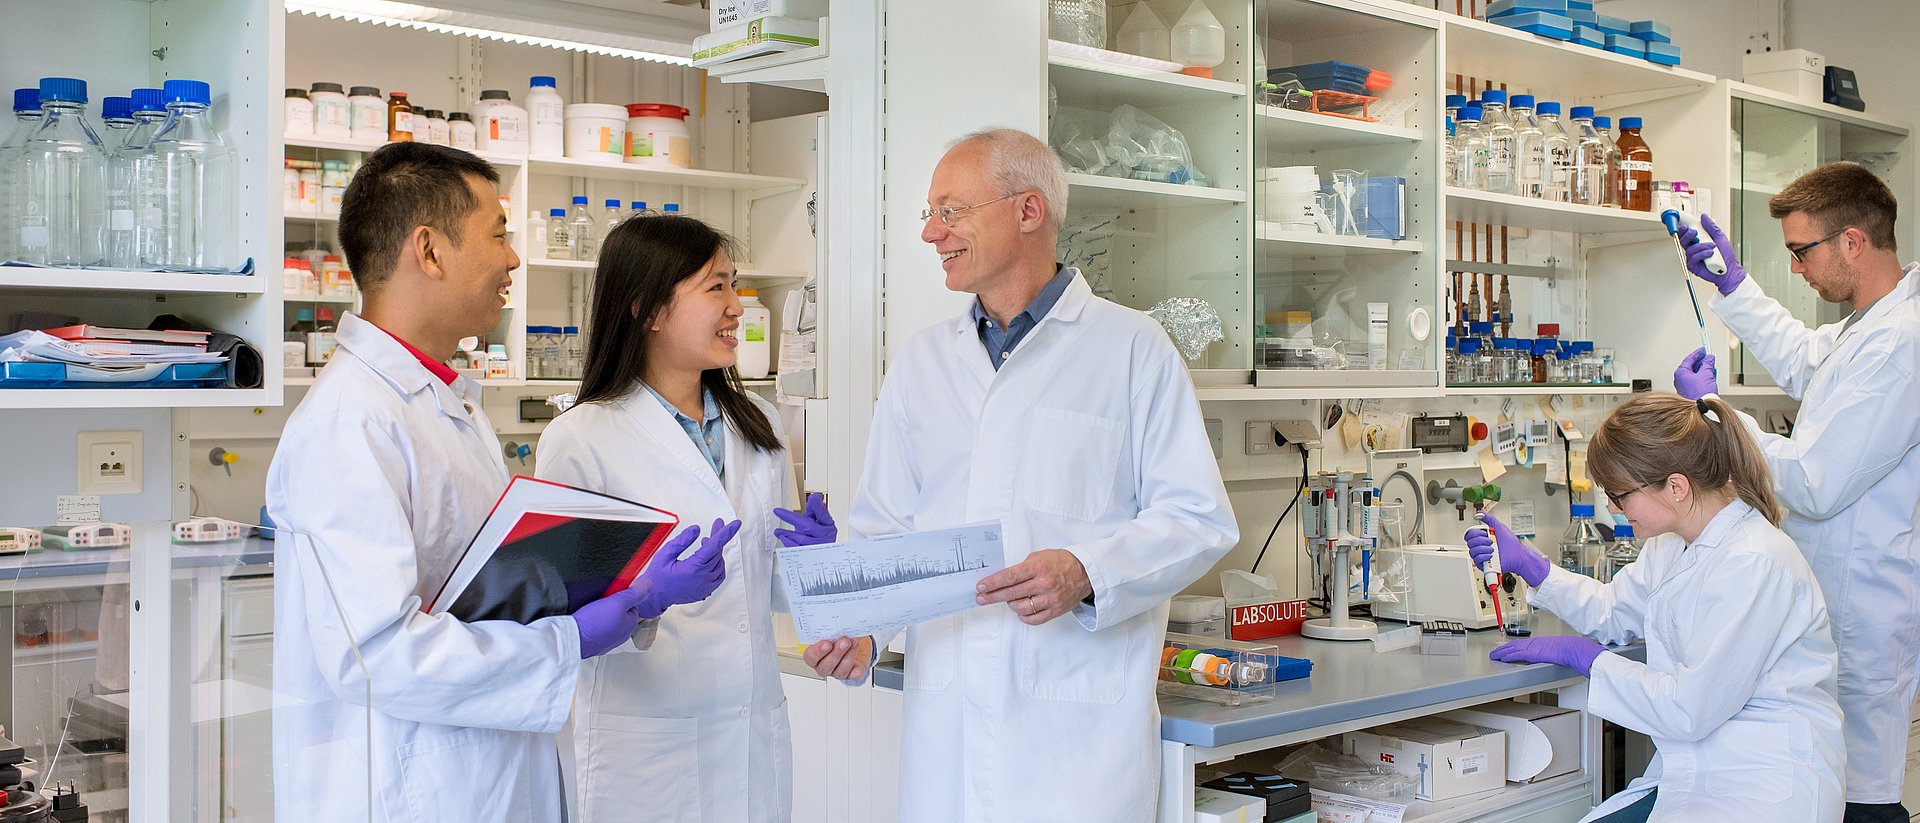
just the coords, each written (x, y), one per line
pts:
(1337, 625)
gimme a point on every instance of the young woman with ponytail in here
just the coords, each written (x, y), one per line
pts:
(1738, 689)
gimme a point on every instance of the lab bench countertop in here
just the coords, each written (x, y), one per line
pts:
(54, 563)
(1350, 682)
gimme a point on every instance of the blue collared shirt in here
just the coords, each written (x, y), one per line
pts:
(1001, 342)
(709, 435)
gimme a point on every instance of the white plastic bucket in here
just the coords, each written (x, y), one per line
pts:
(596, 132)
(657, 136)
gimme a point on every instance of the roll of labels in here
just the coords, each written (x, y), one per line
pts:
(1211, 667)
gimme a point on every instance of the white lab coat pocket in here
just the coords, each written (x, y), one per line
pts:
(1749, 759)
(933, 654)
(640, 769)
(1070, 464)
(1061, 660)
(440, 775)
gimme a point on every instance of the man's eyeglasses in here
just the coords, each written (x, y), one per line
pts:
(1799, 252)
(1616, 497)
(951, 214)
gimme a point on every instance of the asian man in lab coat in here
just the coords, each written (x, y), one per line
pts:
(383, 475)
(1073, 422)
(1850, 474)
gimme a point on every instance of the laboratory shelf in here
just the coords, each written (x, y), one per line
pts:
(1758, 94)
(1324, 391)
(1275, 243)
(800, 69)
(1096, 85)
(1738, 390)
(1472, 206)
(745, 273)
(1483, 50)
(551, 263)
(307, 141)
(1531, 390)
(311, 217)
(755, 185)
(130, 398)
(55, 652)
(1551, 793)
(26, 278)
(1288, 131)
(1093, 191)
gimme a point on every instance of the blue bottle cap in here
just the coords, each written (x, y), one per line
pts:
(1548, 107)
(539, 80)
(187, 91)
(556, 212)
(1470, 345)
(27, 99)
(1603, 123)
(1480, 327)
(1523, 101)
(1623, 531)
(570, 329)
(1582, 509)
(1455, 101)
(639, 205)
(148, 100)
(116, 108)
(1629, 122)
(1494, 96)
(580, 200)
(64, 89)
(1471, 112)
(671, 208)
(304, 314)
(613, 202)
(1582, 113)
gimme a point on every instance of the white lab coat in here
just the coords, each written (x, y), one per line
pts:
(1738, 688)
(1850, 478)
(1089, 438)
(694, 728)
(390, 472)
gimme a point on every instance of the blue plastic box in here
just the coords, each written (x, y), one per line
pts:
(1556, 26)
(1583, 17)
(1330, 75)
(1589, 36)
(1627, 44)
(1612, 25)
(1503, 7)
(36, 375)
(1666, 54)
(1580, 5)
(1652, 31)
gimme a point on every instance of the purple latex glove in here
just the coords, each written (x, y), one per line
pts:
(677, 581)
(1696, 377)
(1515, 557)
(604, 623)
(812, 525)
(1698, 250)
(1574, 652)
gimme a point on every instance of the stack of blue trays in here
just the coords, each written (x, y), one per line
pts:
(1330, 75)
(1576, 21)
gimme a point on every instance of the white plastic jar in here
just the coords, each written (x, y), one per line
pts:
(460, 131)
(436, 126)
(331, 117)
(369, 114)
(657, 135)
(500, 125)
(596, 132)
(299, 113)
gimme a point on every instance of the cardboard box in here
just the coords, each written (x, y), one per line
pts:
(1542, 741)
(761, 35)
(734, 12)
(1216, 806)
(1450, 759)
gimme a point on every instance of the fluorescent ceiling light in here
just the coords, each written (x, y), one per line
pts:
(488, 27)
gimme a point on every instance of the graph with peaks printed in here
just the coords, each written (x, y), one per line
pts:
(867, 586)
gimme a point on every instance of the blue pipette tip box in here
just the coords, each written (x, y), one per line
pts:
(1666, 54)
(1555, 26)
(1589, 36)
(1499, 8)
(1612, 25)
(1583, 17)
(1626, 44)
(1652, 31)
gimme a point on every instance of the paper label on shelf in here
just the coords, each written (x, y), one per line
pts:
(72, 509)
(1490, 466)
(1470, 765)
(1332, 807)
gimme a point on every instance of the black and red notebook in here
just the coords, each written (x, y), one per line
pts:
(548, 549)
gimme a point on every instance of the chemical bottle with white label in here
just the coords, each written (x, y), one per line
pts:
(546, 110)
(756, 347)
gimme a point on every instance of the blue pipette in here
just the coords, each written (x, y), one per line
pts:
(1674, 221)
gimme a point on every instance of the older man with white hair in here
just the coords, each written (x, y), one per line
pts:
(1073, 422)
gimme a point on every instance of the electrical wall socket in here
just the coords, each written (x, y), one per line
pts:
(109, 462)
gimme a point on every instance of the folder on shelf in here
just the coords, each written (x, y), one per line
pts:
(548, 549)
(101, 333)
